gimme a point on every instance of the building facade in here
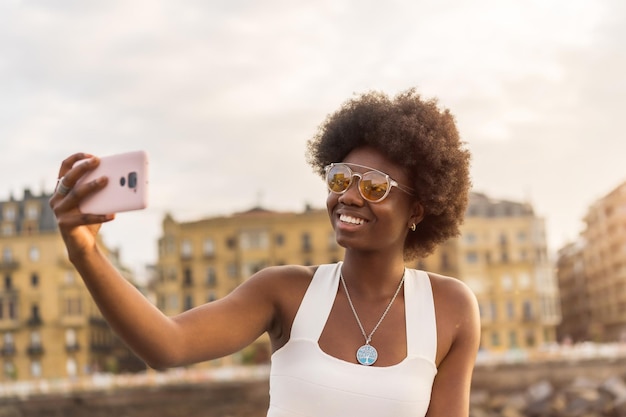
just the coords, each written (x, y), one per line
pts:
(576, 325)
(503, 258)
(49, 326)
(501, 254)
(604, 259)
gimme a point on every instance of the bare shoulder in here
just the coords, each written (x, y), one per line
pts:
(284, 277)
(452, 291)
(457, 314)
(284, 287)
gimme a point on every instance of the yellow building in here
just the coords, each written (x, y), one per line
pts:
(502, 255)
(503, 258)
(49, 327)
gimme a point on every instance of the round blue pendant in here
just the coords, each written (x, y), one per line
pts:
(366, 355)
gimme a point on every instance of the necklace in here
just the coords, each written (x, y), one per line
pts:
(367, 354)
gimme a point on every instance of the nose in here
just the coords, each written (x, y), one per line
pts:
(352, 196)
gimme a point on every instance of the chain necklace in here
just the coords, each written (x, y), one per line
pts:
(367, 354)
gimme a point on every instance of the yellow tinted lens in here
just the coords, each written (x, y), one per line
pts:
(374, 186)
(338, 178)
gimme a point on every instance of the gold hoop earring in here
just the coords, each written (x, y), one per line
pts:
(413, 227)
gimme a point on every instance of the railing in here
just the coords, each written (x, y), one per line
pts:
(107, 382)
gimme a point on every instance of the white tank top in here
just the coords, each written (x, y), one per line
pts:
(305, 381)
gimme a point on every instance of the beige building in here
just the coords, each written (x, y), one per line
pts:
(604, 259)
(49, 327)
(502, 255)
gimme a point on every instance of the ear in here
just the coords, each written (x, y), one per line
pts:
(417, 214)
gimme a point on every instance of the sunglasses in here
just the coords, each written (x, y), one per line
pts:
(374, 185)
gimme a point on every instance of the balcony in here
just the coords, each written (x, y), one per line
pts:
(74, 347)
(34, 321)
(8, 265)
(101, 347)
(35, 350)
(7, 350)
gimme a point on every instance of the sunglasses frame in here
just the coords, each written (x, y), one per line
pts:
(392, 183)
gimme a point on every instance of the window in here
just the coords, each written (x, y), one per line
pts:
(506, 282)
(70, 337)
(188, 302)
(495, 339)
(35, 369)
(7, 229)
(528, 310)
(211, 277)
(231, 270)
(34, 279)
(279, 240)
(186, 248)
(9, 213)
(471, 257)
(208, 247)
(73, 306)
(35, 339)
(33, 254)
(7, 255)
(254, 239)
(187, 277)
(524, 280)
(306, 242)
(71, 367)
(510, 309)
(32, 212)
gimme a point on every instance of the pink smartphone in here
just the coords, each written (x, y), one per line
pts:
(127, 188)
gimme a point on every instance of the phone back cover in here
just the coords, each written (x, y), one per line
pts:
(118, 196)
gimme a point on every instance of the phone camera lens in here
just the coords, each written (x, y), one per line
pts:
(122, 181)
(132, 180)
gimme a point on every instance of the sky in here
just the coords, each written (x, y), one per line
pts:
(223, 96)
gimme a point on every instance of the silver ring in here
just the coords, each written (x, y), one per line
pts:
(61, 187)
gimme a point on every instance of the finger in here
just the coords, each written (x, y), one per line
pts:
(80, 219)
(77, 194)
(69, 162)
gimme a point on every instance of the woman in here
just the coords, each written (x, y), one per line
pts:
(363, 337)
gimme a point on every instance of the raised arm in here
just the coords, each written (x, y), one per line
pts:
(206, 332)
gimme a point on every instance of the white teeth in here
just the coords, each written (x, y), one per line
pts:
(352, 220)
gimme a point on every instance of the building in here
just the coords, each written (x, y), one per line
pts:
(502, 255)
(604, 260)
(503, 258)
(576, 317)
(49, 326)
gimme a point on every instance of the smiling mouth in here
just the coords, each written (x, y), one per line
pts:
(351, 220)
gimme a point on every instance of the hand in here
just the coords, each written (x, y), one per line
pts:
(77, 229)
